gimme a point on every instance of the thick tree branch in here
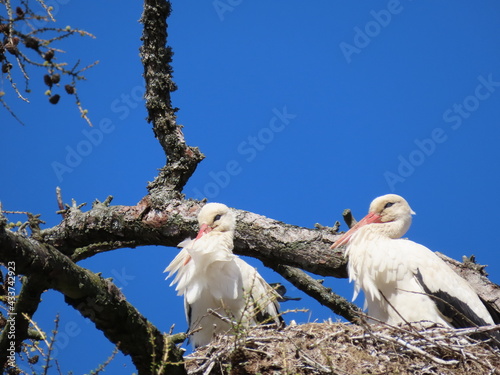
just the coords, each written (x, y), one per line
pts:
(275, 243)
(97, 299)
(156, 57)
(104, 228)
(339, 305)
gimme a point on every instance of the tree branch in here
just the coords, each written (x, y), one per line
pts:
(275, 243)
(339, 305)
(105, 228)
(348, 218)
(156, 57)
(97, 299)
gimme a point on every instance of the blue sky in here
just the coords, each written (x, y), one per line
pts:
(302, 110)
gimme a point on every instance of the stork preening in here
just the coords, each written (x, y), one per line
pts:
(210, 276)
(402, 280)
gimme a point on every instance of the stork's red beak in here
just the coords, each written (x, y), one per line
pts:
(204, 229)
(368, 219)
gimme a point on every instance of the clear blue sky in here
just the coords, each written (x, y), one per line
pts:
(302, 109)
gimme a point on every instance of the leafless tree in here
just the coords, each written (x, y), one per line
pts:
(48, 258)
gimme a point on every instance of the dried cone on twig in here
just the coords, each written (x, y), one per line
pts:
(49, 55)
(54, 99)
(47, 80)
(20, 12)
(69, 89)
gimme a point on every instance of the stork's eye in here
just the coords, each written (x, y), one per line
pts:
(389, 204)
(217, 217)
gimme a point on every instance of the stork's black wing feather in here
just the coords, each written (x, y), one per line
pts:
(263, 317)
(189, 317)
(495, 314)
(281, 290)
(455, 310)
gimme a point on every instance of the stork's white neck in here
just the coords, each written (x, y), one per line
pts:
(216, 241)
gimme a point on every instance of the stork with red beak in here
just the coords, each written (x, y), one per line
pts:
(210, 276)
(402, 280)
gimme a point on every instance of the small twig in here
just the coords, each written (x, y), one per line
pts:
(47, 9)
(209, 368)
(415, 349)
(221, 317)
(42, 335)
(349, 218)
(60, 202)
(51, 346)
(102, 366)
(333, 229)
(16, 212)
(6, 106)
(317, 365)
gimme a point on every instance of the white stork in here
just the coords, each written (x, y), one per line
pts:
(210, 276)
(402, 280)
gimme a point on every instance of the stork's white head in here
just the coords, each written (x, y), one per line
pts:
(390, 208)
(215, 217)
(390, 213)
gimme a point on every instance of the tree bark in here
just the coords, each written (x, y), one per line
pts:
(97, 299)
(314, 288)
(156, 57)
(105, 228)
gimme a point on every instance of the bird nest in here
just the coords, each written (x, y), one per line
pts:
(340, 348)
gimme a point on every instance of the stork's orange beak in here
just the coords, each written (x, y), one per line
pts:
(204, 229)
(368, 219)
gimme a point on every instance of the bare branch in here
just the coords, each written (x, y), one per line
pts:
(156, 57)
(339, 305)
(40, 42)
(269, 240)
(97, 299)
(348, 218)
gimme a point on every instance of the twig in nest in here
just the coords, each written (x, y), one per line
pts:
(221, 317)
(406, 344)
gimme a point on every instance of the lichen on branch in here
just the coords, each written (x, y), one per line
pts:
(156, 56)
